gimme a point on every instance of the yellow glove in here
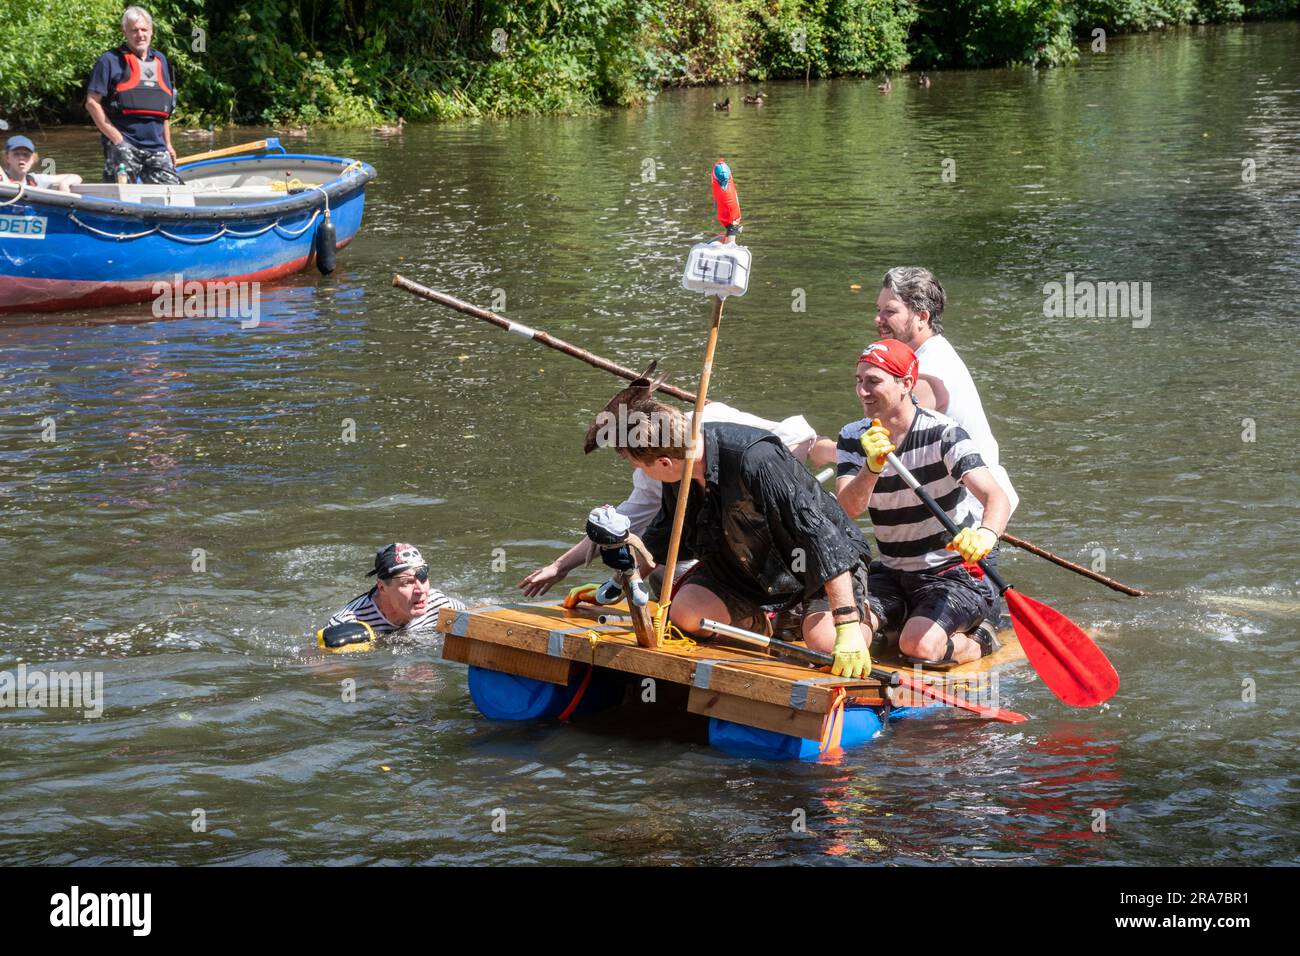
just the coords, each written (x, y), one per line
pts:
(579, 594)
(876, 446)
(852, 658)
(973, 543)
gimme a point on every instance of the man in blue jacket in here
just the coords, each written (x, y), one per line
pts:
(131, 98)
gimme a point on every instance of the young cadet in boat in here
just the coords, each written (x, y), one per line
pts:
(642, 504)
(910, 308)
(20, 156)
(765, 533)
(131, 97)
(919, 586)
(402, 599)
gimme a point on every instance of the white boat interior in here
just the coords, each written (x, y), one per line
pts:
(232, 182)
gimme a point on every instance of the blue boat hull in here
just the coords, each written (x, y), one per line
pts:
(58, 254)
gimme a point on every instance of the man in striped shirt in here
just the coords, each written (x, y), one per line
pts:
(402, 598)
(919, 586)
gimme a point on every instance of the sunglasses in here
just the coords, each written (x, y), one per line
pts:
(421, 575)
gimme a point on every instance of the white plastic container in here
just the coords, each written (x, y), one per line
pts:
(717, 268)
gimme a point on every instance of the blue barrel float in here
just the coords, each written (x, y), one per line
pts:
(502, 696)
(861, 726)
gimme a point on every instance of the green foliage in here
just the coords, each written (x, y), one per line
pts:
(361, 62)
(1141, 15)
(1270, 9)
(46, 52)
(869, 35)
(990, 32)
(715, 42)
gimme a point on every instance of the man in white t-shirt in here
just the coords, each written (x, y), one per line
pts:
(909, 308)
(642, 504)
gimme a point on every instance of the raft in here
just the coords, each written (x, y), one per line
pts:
(536, 662)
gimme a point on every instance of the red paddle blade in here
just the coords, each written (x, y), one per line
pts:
(1070, 664)
(993, 713)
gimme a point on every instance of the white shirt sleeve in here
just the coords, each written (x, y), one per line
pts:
(643, 503)
(792, 431)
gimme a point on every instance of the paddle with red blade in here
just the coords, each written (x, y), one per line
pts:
(1070, 664)
(817, 658)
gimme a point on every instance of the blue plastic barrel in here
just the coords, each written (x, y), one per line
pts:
(501, 696)
(861, 725)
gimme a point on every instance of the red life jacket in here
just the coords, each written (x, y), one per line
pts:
(144, 92)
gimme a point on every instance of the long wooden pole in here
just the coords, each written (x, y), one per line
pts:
(227, 151)
(451, 302)
(693, 452)
(1032, 548)
(459, 305)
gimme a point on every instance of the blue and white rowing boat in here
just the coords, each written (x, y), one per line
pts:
(236, 219)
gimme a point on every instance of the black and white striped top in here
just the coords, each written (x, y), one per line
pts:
(938, 452)
(363, 608)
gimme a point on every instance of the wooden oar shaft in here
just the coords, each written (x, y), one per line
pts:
(1008, 538)
(528, 332)
(1032, 548)
(227, 151)
(693, 452)
(805, 654)
(888, 678)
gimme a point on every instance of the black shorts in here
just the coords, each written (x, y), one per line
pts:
(752, 615)
(743, 611)
(953, 598)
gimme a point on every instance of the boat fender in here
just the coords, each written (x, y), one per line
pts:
(326, 242)
(346, 637)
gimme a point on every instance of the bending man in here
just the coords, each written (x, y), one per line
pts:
(642, 504)
(765, 533)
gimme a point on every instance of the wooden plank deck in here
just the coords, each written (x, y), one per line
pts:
(546, 642)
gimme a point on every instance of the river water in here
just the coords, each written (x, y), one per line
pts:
(1163, 445)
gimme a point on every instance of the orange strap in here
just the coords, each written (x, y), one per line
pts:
(833, 722)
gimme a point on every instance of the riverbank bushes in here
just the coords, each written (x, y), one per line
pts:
(358, 62)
